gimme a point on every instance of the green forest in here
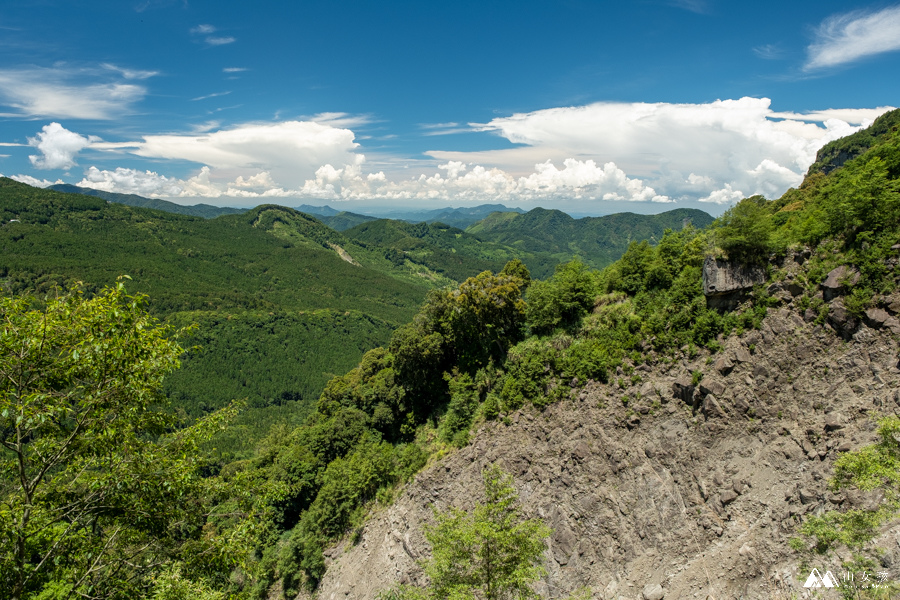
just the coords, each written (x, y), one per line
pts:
(443, 346)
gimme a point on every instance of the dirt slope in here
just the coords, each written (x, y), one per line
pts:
(700, 501)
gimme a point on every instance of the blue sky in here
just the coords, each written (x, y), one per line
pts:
(593, 107)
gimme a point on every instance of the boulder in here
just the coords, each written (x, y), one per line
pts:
(742, 355)
(876, 317)
(712, 409)
(727, 497)
(653, 591)
(723, 365)
(834, 421)
(712, 386)
(807, 497)
(838, 281)
(683, 388)
(844, 322)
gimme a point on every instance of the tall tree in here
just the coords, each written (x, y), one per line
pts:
(96, 494)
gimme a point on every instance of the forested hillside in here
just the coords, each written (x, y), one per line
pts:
(197, 210)
(556, 237)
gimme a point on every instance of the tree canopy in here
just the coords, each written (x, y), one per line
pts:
(96, 493)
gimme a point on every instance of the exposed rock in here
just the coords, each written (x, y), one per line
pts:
(838, 281)
(834, 421)
(807, 496)
(683, 389)
(712, 386)
(843, 321)
(705, 507)
(712, 409)
(794, 288)
(723, 365)
(653, 591)
(725, 283)
(876, 317)
(648, 390)
(727, 497)
(742, 355)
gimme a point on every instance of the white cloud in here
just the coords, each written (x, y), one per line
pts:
(291, 150)
(726, 195)
(717, 153)
(341, 119)
(234, 70)
(851, 36)
(131, 181)
(208, 96)
(663, 144)
(206, 29)
(58, 147)
(130, 73)
(220, 40)
(33, 181)
(66, 94)
(461, 182)
(203, 29)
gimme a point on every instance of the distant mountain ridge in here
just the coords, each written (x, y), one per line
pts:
(598, 241)
(207, 211)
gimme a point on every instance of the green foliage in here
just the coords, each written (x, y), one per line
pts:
(874, 467)
(744, 232)
(545, 238)
(95, 492)
(464, 402)
(491, 553)
(562, 300)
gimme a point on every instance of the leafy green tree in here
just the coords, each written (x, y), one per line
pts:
(95, 494)
(744, 232)
(490, 554)
(562, 300)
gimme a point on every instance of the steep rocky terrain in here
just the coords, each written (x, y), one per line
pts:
(666, 488)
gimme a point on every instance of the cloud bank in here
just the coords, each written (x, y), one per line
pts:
(717, 152)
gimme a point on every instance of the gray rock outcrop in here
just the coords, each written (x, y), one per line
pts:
(725, 284)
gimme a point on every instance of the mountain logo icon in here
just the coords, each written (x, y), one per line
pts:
(817, 580)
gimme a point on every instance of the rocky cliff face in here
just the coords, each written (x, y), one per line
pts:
(725, 283)
(678, 490)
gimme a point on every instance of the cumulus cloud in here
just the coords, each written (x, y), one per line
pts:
(291, 150)
(726, 195)
(464, 182)
(717, 153)
(202, 185)
(849, 37)
(33, 181)
(723, 142)
(58, 147)
(70, 94)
